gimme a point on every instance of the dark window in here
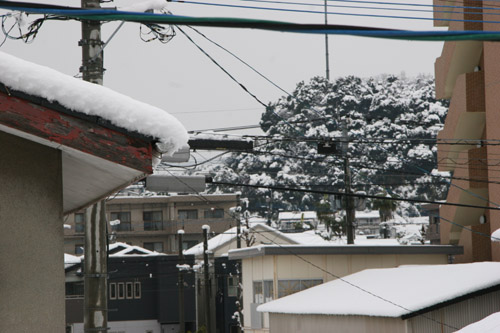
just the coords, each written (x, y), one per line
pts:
(112, 291)
(79, 222)
(130, 290)
(152, 220)
(137, 290)
(154, 246)
(121, 290)
(188, 244)
(124, 218)
(188, 214)
(74, 289)
(217, 213)
(78, 248)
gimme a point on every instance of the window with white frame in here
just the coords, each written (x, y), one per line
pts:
(121, 290)
(129, 290)
(137, 290)
(112, 291)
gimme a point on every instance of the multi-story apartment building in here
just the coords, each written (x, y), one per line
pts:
(152, 222)
(468, 74)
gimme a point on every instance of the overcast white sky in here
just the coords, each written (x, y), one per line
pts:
(181, 80)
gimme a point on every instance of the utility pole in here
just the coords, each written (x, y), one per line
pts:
(96, 268)
(182, 324)
(238, 245)
(349, 204)
(208, 321)
(326, 44)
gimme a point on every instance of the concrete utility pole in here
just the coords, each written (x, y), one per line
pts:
(349, 204)
(208, 319)
(96, 266)
(182, 324)
(238, 245)
(326, 45)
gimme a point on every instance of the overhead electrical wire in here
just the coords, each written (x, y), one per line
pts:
(369, 8)
(115, 15)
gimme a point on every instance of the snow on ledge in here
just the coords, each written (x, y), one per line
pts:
(93, 100)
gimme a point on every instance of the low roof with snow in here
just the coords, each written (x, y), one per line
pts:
(490, 324)
(368, 214)
(391, 292)
(307, 215)
(56, 110)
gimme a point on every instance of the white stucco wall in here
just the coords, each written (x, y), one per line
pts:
(31, 237)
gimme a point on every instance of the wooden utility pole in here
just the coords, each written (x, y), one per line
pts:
(96, 267)
(182, 324)
(208, 319)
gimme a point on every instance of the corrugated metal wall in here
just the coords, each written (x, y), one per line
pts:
(456, 316)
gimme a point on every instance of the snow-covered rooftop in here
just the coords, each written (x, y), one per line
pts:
(71, 260)
(119, 249)
(389, 292)
(312, 238)
(230, 235)
(297, 215)
(94, 100)
(368, 214)
(490, 324)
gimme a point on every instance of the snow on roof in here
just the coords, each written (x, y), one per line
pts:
(228, 236)
(92, 99)
(119, 249)
(310, 237)
(297, 215)
(71, 260)
(404, 290)
(490, 324)
(495, 236)
(368, 214)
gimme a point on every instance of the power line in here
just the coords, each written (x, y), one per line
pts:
(149, 18)
(289, 189)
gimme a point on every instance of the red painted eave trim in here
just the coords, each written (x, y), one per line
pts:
(76, 133)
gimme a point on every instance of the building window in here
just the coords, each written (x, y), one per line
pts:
(188, 244)
(217, 213)
(137, 290)
(124, 224)
(79, 222)
(153, 220)
(288, 287)
(112, 291)
(263, 291)
(74, 289)
(78, 248)
(188, 214)
(121, 290)
(130, 290)
(154, 246)
(232, 286)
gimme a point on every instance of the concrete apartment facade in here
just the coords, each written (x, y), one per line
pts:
(153, 222)
(468, 74)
